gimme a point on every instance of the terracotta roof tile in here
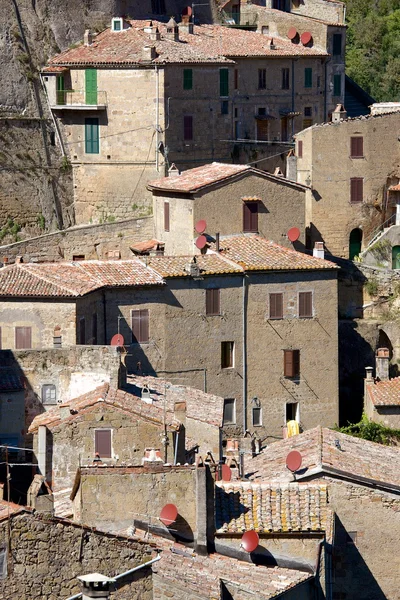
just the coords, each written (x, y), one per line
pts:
(9, 508)
(394, 188)
(146, 246)
(385, 393)
(195, 179)
(73, 279)
(208, 43)
(354, 458)
(209, 264)
(269, 507)
(253, 252)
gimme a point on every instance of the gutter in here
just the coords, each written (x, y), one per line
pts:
(323, 469)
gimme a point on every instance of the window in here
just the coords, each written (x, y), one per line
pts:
(292, 412)
(337, 85)
(94, 328)
(49, 395)
(305, 304)
(257, 416)
(262, 79)
(140, 326)
(60, 89)
(116, 24)
(227, 349)
(291, 363)
(276, 306)
(337, 44)
(308, 111)
(102, 442)
(224, 107)
(357, 147)
(92, 136)
(236, 79)
(224, 82)
(187, 79)
(23, 338)
(308, 77)
(213, 304)
(52, 137)
(166, 216)
(91, 86)
(78, 257)
(284, 129)
(356, 189)
(250, 217)
(229, 411)
(300, 149)
(188, 127)
(285, 79)
(82, 331)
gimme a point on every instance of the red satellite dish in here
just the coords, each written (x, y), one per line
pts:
(117, 340)
(293, 234)
(168, 514)
(200, 226)
(187, 11)
(292, 33)
(306, 38)
(294, 460)
(226, 473)
(201, 242)
(250, 541)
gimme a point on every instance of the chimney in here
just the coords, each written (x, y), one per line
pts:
(382, 364)
(19, 259)
(87, 38)
(95, 585)
(339, 114)
(64, 411)
(186, 26)
(291, 166)
(319, 251)
(149, 53)
(172, 31)
(272, 45)
(180, 411)
(5, 260)
(173, 171)
(42, 432)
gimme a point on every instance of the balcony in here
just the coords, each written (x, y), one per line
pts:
(80, 100)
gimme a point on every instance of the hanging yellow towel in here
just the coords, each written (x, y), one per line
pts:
(292, 428)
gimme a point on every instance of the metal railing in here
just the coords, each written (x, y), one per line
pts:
(377, 232)
(81, 98)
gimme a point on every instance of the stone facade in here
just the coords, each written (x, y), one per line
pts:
(48, 554)
(250, 13)
(331, 215)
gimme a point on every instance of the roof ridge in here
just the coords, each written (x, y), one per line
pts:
(42, 278)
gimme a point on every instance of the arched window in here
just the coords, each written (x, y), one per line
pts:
(396, 257)
(355, 243)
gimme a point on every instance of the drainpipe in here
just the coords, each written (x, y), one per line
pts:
(157, 115)
(244, 329)
(42, 449)
(293, 95)
(325, 90)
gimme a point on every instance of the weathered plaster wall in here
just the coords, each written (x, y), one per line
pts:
(48, 555)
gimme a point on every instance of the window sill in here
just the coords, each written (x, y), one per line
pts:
(356, 157)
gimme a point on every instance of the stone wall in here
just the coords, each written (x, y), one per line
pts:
(94, 242)
(48, 554)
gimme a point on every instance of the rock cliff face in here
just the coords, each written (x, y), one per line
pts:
(35, 181)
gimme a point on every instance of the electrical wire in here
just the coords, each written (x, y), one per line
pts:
(144, 167)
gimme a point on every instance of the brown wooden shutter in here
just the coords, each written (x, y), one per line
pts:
(102, 442)
(140, 326)
(356, 147)
(213, 302)
(356, 189)
(23, 338)
(276, 306)
(291, 363)
(166, 216)
(305, 304)
(300, 149)
(250, 216)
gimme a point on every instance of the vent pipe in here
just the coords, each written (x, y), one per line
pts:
(217, 242)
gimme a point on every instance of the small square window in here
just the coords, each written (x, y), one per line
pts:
(229, 417)
(227, 359)
(117, 24)
(300, 149)
(49, 394)
(257, 416)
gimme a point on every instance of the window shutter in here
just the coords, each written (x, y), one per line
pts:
(166, 216)
(356, 189)
(337, 44)
(92, 136)
(23, 338)
(102, 442)
(291, 364)
(300, 149)
(188, 127)
(224, 82)
(276, 306)
(356, 147)
(250, 216)
(305, 304)
(308, 77)
(213, 302)
(91, 86)
(140, 326)
(187, 79)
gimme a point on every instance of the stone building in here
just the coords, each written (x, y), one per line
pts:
(363, 485)
(242, 12)
(347, 209)
(229, 199)
(201, 93)
(382, 395)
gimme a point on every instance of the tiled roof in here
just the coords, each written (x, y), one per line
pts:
(10, 380)
(354, 459)
(254, 253)
(200, 406)
(9, 508)
(268, 507)
(209, 264)
(130, 405)
(394, 188)
(73, 279)
(207, 43)
(195, 179)
(146, 246)
(385, 393)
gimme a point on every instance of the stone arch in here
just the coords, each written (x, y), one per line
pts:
(385, 342)
(355, 241)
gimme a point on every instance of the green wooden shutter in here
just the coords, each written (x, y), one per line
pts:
(92, 136)
(60, 90)
(224, 82)
(187, 79)
(91, 86)
(308, 77)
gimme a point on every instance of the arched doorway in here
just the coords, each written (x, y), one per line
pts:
(355, 243)
(396, 257)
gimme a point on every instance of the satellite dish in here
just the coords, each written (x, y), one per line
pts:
(292, 33)
(294, 460)
(200, 226)
(250, 540)
(293, 234)
(226, 473)
(117, 340)
(201, 242)
(306, 38)
(168, 514)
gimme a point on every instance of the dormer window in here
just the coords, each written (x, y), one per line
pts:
(116, 24)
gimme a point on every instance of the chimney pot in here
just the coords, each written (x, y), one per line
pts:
(382, 363)
(319, 251)
(88, 37)
(368, 373)
(339, 114)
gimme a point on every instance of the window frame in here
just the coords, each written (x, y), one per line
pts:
(337, 41)
(28, 330)
(224, 82)
(213, 302)
(356, 190)
(103, 429)
(250, 218)
(291, 369)
(303, 293)
(92, 143)
(48, 387)
(285, 81)
(356, 146)
(308, 77)
(144, 326)
(233, 404)
(262, 79)
(297, 411)
(275, 294)
(337, 85)
(187, 79)
(253, 410)
(227, 354)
